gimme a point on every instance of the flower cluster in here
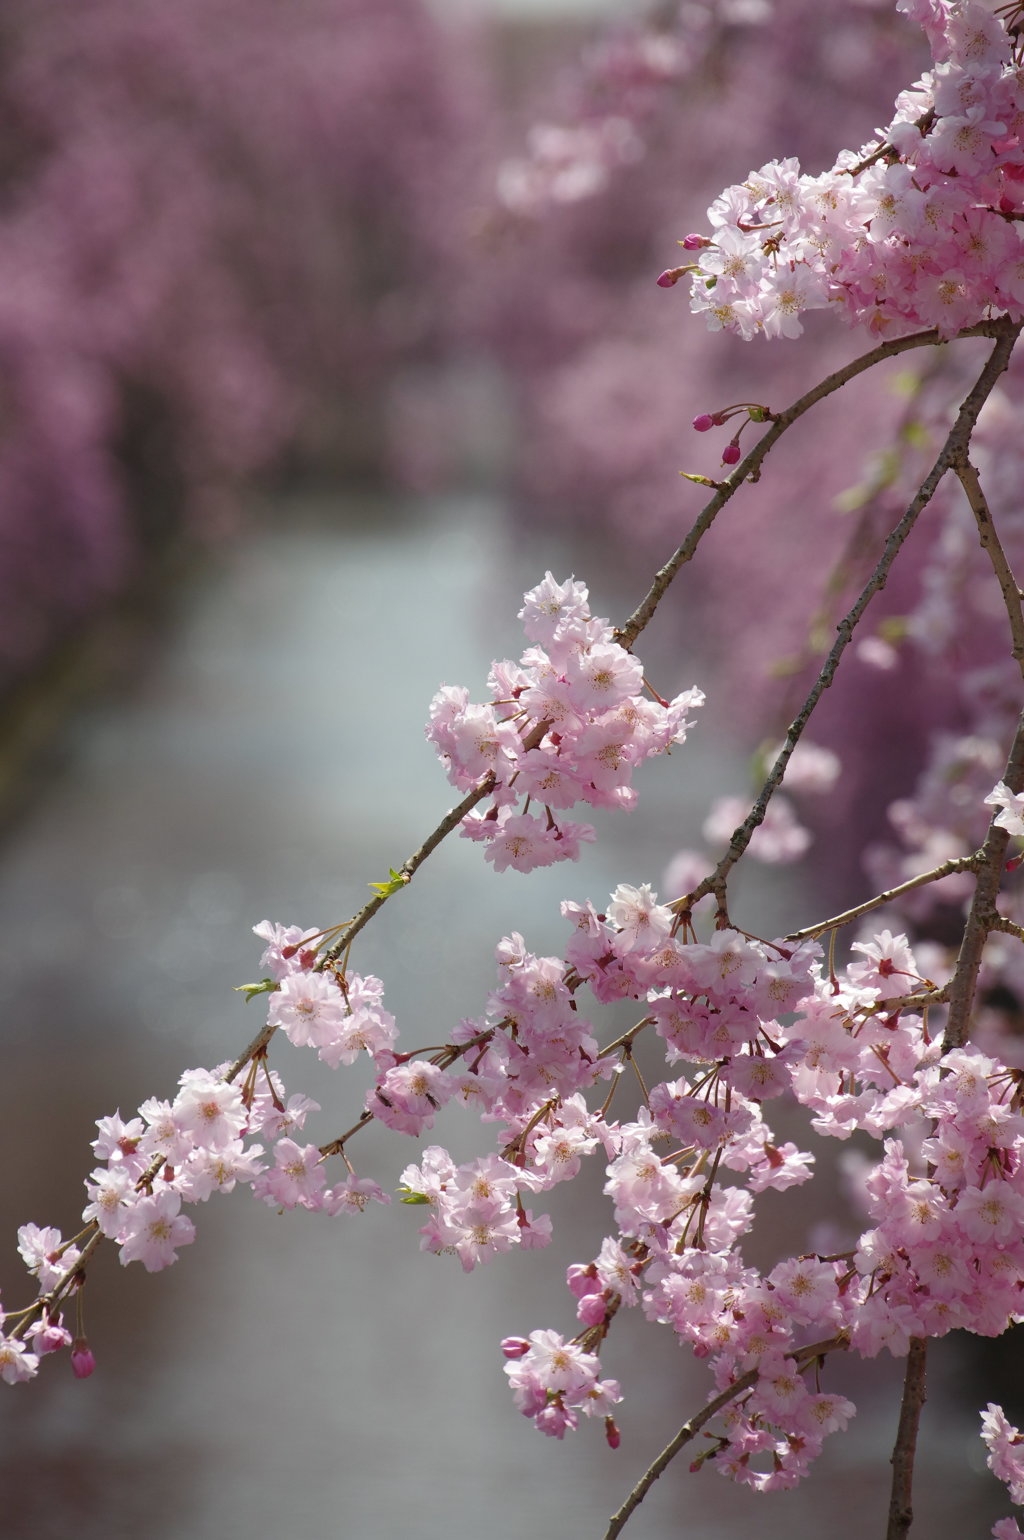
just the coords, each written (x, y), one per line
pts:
(207, 1140)
(945, 1251)
(477, 1209)
(553, 1381)
(1005, 1460)
(172, 1153)
(567, 724)
(754, 1021)
(919, 231)
(312, 1006)
(748, 1021)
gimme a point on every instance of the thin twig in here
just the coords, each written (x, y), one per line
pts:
(690, 1429)
(750, 468)
(983, 916)
(450, 821)
(956, 442)
(919, 1000)
(947, 869)
(992, 546)
(901, 1512)
(627, 1037)
(922, 124)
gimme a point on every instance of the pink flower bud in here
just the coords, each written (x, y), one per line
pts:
(592, 1309)
(669, 277)
(582, 1279)
(49, 1338)
(703, 422)
(694, 242)
(515, 1347)
(731, 454)
(611, 1433)
(82, 1360)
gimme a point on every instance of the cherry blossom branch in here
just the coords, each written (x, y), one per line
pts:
(335, 1146)
(921, 999)
(954, 448)
(625, 1041)
(901, 1512)
(443, 1057)
(690, 1429)
(450, 821)
(402, 878)
(983, 915)
(74, 1277)
(750, 468)
(947, 869)
(922, 124)
(627, 635)
(1012, 596)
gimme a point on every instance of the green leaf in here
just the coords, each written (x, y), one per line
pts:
(702, 481)
(408, 1196)
(250, 991)
(395, 881)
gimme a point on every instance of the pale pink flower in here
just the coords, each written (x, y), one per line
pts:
(352, 1195)
(1005, 1450)
(44, 1254)
(209, 1109)
(153, 1231)
(17, 1364)
(284, 952)
(550, 607)
(641, 920)
(117, 1139)
(48, 1336)
(1011, 817)
(889, 965)
(309, 1007)
(298, 1177)
(992, 1214)
(111, 1194)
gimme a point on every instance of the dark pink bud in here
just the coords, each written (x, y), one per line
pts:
(515, 1347)
(611, 1433)
(82, 1360)
(694, 242)
(669, 277)
(731, 454)
(703, 422)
